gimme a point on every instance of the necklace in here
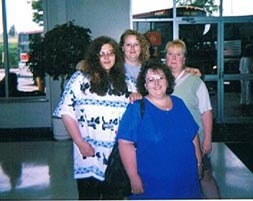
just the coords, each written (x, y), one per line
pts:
(179, 75)
(180, 78)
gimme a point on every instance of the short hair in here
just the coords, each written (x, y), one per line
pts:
(154, 65)
(177, 43)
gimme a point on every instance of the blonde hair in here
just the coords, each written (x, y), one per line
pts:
(177, 43)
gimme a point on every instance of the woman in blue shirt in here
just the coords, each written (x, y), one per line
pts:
(160, 150)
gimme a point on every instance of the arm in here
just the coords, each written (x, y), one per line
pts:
(198, 155)
(72, 127)
(207, 122)
(134, 96)
(194, 71)
(128, 156)
(205, 109)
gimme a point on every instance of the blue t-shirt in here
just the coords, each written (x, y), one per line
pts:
(165, 152)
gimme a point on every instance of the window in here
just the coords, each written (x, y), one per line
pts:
(237, 8)
(23, 21)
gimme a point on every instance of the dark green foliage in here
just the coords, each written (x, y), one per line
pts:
(38, 12)
(13, 55)
(36, 57)
(12, 31)
(13, 52)
(209, 6)
(58, 52)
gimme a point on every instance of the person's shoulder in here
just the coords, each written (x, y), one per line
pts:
(79, 75)
(136, 103)
(76, 74)
(176, 99)
(196, 79)
(178, 102)
(76, 78)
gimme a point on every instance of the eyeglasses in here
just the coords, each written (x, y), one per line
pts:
(153, 79)
(110, 53)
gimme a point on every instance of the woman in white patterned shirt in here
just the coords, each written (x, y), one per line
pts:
(91, 107)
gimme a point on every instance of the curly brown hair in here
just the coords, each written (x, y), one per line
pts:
(155, 65)
(144, 56)
(102, 82)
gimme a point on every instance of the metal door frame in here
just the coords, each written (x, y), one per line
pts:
(220, 77)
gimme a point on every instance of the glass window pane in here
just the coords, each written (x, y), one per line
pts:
(2, 71)
(236, 37)
(235, 95)
(201, 42)
(212, 89)
(21, 27)
(142, 6)
(2, 80)
(237, 7)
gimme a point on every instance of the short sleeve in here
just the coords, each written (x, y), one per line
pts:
(186, 117)
(129, 123)
(204, 98)
(67, 102)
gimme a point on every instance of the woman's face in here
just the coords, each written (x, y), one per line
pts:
(175, 58)
(156, 83)
(107, 57)
(131, 48)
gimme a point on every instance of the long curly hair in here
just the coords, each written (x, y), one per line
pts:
(102, 82)
(154, 65)
(144, 56)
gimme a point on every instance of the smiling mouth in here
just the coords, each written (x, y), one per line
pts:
(157, 88)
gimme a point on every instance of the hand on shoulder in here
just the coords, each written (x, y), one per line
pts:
(194, 71)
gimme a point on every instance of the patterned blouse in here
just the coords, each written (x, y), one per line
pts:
(98, 119)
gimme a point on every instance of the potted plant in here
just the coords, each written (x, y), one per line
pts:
(35, 60)
(57, 53)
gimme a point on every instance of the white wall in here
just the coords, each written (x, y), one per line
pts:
(103, 17)
(25, 114)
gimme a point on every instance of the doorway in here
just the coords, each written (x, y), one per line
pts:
(216, 48)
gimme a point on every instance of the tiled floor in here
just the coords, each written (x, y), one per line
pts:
(234, 179)
(36, 170)
(42, 170)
